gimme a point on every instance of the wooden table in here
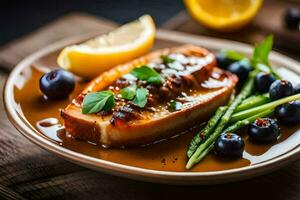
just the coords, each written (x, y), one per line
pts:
(28, 172)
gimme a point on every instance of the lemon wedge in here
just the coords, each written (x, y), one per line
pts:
(97, 55)
(223, 15)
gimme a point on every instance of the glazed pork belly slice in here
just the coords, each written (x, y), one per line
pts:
(191, 81)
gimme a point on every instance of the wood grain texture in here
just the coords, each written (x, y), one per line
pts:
(28, 172)
(268, 21)
(69, 25)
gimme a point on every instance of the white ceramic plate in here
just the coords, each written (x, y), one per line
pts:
(278, 158)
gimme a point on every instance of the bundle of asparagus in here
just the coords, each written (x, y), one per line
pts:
(242, 110)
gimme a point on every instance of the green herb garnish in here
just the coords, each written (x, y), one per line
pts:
(129, 92)
(147, 74)
(98, 101)
(140, 98)
(137, 95)
(262, 50)
(175, 105)
(166, 59)
(260, 57)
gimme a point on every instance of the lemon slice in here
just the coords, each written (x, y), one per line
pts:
(223, 15)
(97, 55)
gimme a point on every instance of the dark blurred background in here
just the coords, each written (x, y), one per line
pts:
(18, 17)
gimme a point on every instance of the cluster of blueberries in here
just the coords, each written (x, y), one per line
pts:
(263, 130)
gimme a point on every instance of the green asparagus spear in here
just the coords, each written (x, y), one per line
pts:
(252, 98)
(233, 55)
(202, 149)
(240, 124)
(206, 151)
(250, 112)
(253, 102)
(198, 138)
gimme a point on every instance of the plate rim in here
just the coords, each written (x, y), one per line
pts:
(137, 172)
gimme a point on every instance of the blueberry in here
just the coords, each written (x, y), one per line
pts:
(288, 113)
(229, 145)
(297, 89)
(292, 18)
(241, 69)
(263, 81)
(280, 89)
(57, 84)
(223, 61)
(264, 130)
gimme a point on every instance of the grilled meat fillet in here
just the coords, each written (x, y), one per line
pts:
(192, 90)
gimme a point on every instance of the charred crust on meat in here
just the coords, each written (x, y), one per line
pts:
(127, 124)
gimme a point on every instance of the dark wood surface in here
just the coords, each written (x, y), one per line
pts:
(28, 172)
(66, 26)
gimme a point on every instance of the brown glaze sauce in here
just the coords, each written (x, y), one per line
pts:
(169, 155)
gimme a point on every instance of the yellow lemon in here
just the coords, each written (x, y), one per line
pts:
(223, 15)
(97, 55)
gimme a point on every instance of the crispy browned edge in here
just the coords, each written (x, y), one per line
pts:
(87, 129)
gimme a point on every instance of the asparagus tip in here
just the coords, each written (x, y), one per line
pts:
(189, 165)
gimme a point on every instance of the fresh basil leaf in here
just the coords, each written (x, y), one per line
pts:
(147, 74)
(98, 101)
(141, 97)
(233, 55)
(174, 106)
(155, 80)
(261, 56)
(262, 50)
(129, 92)
(110, 103)
(166, 59)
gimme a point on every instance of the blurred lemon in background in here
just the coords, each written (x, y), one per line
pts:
(223, 15)
(97, 55)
